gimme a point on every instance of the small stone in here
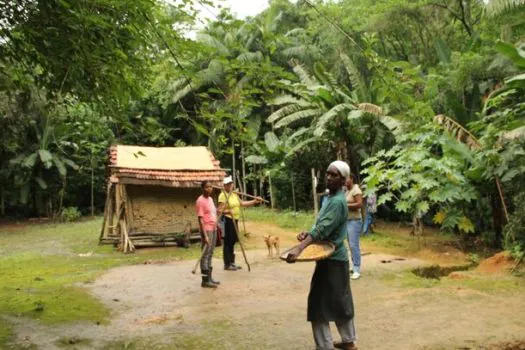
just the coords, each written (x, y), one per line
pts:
(38, 278)
(117, 300)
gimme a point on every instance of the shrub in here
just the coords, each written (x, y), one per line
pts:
(515, 229)
(70, 214)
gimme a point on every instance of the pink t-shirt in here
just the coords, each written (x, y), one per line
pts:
(206, 209)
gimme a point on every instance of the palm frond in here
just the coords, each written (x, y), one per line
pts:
(370, 108)
(212, 74)
(284, 100)
(391, 124)
(291, 139)
(459, 132)
(296, 32)
(181, 93)
(300, 146)
(250, 57)
(283, 112)
(328, 116)
(325, 77)
(305, 77)
(356, 78)
(294, 117)
(499, 7)
(212, 41)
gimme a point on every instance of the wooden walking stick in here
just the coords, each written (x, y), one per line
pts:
(198, 261)
(240, 244)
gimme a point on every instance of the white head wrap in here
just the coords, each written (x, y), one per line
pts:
(227, 180)
(343, 168)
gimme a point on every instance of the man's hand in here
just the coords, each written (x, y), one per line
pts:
(293, 254)
(206, 238)
(259, 200)
(302, 236)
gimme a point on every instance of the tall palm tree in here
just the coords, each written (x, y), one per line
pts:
(321, 109)
(499, 7)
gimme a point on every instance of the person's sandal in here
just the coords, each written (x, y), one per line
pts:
(345, 346)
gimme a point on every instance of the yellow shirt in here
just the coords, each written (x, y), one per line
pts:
(234, 204)
(354, 214)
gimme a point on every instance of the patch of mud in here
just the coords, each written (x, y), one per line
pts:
(437, 271)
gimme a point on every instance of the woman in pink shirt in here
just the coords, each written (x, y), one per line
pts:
(207, 214)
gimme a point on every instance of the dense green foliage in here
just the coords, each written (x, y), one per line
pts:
(273, 96)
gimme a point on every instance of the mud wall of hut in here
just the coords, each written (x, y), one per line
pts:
(162, 210)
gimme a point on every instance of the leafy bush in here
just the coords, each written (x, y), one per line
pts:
(515, 229)
(70, 214)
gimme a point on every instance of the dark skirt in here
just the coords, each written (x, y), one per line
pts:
(330, 296)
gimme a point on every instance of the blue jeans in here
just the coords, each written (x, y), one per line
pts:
(368, 221)
(354, 231)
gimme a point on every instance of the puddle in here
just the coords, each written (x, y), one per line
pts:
(437, 271)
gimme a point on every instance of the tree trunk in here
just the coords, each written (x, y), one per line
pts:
(293, 194)
(272, 200)
(255, 180)
(92, 191)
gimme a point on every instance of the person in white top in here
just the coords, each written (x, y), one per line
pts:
(354, 200)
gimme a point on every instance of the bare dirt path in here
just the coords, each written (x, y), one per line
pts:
(163, 306)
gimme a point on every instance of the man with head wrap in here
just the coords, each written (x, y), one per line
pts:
(330, 297)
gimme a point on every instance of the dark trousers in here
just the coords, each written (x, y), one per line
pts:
(230, 238)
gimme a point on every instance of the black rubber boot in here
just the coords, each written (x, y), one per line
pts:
(206, 283)
(211, 277)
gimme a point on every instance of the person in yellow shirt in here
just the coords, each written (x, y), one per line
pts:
(230, 205)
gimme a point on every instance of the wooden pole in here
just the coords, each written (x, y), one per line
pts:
(241, 194)
(314, 192)
(243, 168)
(103, 231)
(242, 214)
(233, 160)
(293, 194)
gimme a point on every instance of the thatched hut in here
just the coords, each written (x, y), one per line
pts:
(151, 194)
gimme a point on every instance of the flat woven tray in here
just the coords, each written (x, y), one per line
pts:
(315, 251)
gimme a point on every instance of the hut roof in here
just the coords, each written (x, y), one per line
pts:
(164, 166)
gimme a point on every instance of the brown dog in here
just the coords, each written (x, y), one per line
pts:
(272, 241)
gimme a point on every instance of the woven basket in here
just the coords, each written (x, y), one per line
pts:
(315, 251)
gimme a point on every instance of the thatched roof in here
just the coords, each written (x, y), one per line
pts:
(164, 166)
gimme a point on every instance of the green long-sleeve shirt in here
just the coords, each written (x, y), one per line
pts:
(331, 224)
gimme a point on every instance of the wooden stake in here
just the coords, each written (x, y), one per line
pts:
(103, 231)
(233, 160)
(314, 192)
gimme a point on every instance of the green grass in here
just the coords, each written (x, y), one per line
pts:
(42, 274)
(5, 331)
(287, 219)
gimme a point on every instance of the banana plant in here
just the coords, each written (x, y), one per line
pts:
(34, 168)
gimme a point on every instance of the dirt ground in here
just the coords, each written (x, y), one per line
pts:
(163, 306)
